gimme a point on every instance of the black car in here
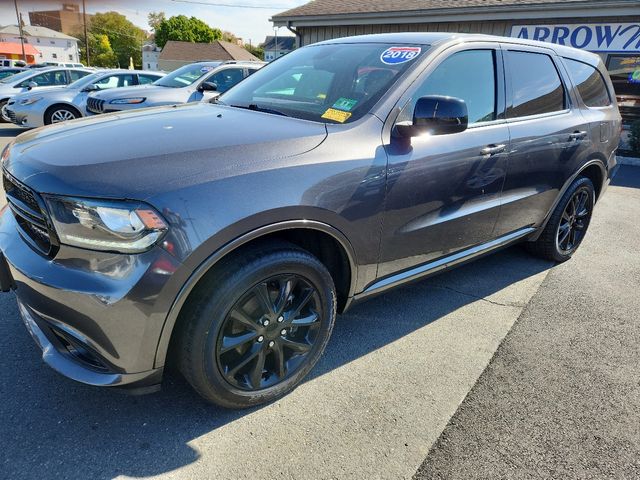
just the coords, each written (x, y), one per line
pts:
(225, 238)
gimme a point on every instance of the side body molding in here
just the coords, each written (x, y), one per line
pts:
(172, 316)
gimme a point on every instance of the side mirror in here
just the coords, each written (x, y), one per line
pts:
(208, 87)
(31, 85)
(436, 115)
(91, 88)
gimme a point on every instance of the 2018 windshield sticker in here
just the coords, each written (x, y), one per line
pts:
(346, 104)
(396, 55)
(336, 115)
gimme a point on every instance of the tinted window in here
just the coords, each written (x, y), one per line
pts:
(145, 79)
(625, 74)
(227, 78)
(589, 82)
(536, 85)
(47, 79)
(115, 81)
(468, 75)
(77, 74)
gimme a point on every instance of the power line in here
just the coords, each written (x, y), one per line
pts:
(228, 5)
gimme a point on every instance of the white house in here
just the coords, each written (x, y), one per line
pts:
(52, 46)
(150, 54)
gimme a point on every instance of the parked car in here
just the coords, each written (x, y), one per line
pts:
(6, 62)
(67, 103)
(8, 71)
(231, 234)
(192, 83)
(36, 80)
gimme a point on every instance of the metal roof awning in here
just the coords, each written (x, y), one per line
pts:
(13, 48)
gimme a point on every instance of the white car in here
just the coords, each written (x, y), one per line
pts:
(35, 109)
(36, 80)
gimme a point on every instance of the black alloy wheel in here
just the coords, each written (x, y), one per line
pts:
(574, 222)
(256, 324)
(269, 332)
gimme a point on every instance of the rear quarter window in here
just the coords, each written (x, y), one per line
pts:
(589, 82)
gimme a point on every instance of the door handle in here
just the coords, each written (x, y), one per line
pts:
(493, 149)
(577, 136)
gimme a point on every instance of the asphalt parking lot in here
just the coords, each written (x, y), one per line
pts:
(509, 367)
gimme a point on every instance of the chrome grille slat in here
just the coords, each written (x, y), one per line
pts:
(27, 212)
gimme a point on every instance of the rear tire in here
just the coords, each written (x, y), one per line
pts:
(568, 224)
(256, 325)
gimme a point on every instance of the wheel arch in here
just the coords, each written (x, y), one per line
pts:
(595, 170)
(310, 235)
(61, 104)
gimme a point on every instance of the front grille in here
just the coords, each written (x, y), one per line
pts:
(95, 105)
(28, 213)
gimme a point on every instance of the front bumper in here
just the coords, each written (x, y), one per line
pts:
(25, 115)
(96, 316)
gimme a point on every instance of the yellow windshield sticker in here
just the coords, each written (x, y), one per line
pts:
(336, 115)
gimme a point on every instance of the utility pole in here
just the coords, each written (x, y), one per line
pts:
(19, 17)
(86, 37)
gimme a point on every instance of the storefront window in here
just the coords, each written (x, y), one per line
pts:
(625, 74)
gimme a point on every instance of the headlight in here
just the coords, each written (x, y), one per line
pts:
(5, 152)
(30, 100)
(116, 226)
(124, 101)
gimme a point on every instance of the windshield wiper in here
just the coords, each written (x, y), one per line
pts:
(256, 108)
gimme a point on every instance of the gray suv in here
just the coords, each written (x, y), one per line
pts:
(224, 238)
(201, 81)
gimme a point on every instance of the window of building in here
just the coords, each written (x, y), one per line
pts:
(54, 55)
(589, 82)
(536, 84)
(52, 42)
(37, 40)
(453, 78)
(71, 58)
(625, 74)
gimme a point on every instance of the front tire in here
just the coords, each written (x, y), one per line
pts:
(60, 113)
(568, 224)
(256, 325)
(4, 118)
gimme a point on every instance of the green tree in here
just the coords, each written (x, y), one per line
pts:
(155, 19)
(185, 29)
(258, 51)
(124, 37)
(102, 55)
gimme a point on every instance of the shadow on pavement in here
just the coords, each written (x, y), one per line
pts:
(627, 176)
(9, 131)
(55, 427)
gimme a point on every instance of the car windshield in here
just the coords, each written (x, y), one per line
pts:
(334, 83)
(85, 81)
(19, 76)
(185, 76)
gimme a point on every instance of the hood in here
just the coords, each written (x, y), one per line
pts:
(54, 92)
(145, 152)
(135, 90)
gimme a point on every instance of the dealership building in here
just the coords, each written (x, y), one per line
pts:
(610, 28)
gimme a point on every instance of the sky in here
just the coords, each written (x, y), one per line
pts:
(248, 19)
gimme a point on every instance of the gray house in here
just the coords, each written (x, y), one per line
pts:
(276, 47)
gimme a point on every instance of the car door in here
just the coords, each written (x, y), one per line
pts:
(443, 192)
(548, 136)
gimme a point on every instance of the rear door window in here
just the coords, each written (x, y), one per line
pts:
(146, 79)
(589, 82)
(227, 78)
(77, 74)
(535, 85)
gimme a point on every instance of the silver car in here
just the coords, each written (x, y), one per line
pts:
(67, 103)
(195, 82)
(36, 80)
